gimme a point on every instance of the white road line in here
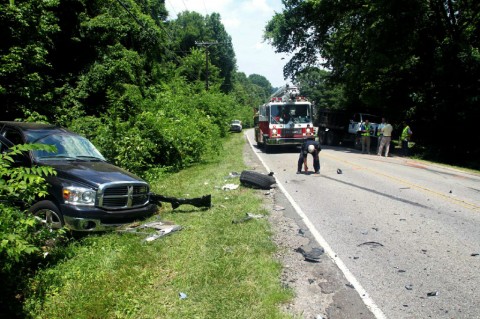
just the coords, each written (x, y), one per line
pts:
(376, 311)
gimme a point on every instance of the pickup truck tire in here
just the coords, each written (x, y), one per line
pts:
(256, 180)
(48, 214)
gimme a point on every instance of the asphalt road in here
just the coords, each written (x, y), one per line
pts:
(407, 233)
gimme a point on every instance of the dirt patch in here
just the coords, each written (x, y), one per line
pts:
(321, 290)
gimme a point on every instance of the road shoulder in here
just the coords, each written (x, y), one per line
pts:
(321, 290)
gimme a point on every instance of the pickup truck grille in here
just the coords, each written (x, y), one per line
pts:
(123, 195)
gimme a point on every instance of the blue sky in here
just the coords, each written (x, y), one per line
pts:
(244, 21)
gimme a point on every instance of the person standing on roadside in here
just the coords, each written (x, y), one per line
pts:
(365, 129)
(386, 138)
(380, 133)
(313, 147)
(405, 137)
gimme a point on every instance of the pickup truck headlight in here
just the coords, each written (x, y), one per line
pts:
(79, 196)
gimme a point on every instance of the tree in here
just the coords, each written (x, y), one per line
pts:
(404, 59)
(316, 85)
(262, 82)
(191, 28)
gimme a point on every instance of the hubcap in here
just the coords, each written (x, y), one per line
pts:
(49, 218)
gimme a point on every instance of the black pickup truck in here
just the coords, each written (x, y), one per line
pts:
(87, 194)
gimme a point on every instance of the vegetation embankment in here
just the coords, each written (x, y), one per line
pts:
(225, 269)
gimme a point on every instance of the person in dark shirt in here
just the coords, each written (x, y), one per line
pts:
(312, 147)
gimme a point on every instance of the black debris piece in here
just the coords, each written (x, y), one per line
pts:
(339, 171)
(432, 294)
(409, 287)
(257, 180)
(313, 254)
(349, 285)
(474, 254)
(371, 244)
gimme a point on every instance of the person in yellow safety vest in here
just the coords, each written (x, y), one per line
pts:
(365, 129)
(405, 137)
(380, 133)
(386, 138)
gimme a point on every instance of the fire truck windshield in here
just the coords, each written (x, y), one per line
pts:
(288, 113)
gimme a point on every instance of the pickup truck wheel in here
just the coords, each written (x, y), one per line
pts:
(257, 180)
(48, 214)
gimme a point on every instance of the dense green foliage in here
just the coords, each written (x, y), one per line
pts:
(410, 60)
(123, 75)
(22, 238)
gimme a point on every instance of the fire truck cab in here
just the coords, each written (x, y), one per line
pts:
(285, 120)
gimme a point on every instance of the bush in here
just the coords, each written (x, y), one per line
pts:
(22, 239)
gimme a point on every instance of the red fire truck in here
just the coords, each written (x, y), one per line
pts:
(285, 120)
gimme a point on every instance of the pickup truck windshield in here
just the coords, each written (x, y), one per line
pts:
(69, 146)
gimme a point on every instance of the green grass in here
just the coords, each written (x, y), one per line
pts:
(226, 270)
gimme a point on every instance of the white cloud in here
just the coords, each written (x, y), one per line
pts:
(244, 21)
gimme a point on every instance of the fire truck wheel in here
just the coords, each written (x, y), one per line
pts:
(256, 180)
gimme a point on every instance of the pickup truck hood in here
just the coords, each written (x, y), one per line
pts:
(91, 173)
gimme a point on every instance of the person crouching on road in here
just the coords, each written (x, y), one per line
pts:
(312, 147)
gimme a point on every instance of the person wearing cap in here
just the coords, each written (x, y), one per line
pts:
(313, 147)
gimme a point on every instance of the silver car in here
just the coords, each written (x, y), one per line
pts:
(236, 126)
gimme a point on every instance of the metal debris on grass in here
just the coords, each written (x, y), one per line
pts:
(248, 217)
(229, 187)
(159, 228)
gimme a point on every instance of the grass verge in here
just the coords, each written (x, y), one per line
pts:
(226, 270)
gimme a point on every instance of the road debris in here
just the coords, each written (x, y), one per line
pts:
(339, 171)
(160, 229)
(248, 217)
(204, 201)
(230, 187)
(182, 295)
(232, 175)
(409, 287)
(257, 180)
(432, 294)
(373, 244)
(313, 254)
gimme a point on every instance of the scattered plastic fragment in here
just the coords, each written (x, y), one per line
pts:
(229, 187)
(247, 218)
(339, 171)
(350, 286)
(474, 254)
(278, 208)
(432, 294)
(409, 287)
(161, 229)
(233, 175)
(183, 295)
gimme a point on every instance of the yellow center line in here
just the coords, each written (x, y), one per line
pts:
(460, 202)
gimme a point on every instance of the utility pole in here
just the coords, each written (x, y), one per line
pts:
(206, 45)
